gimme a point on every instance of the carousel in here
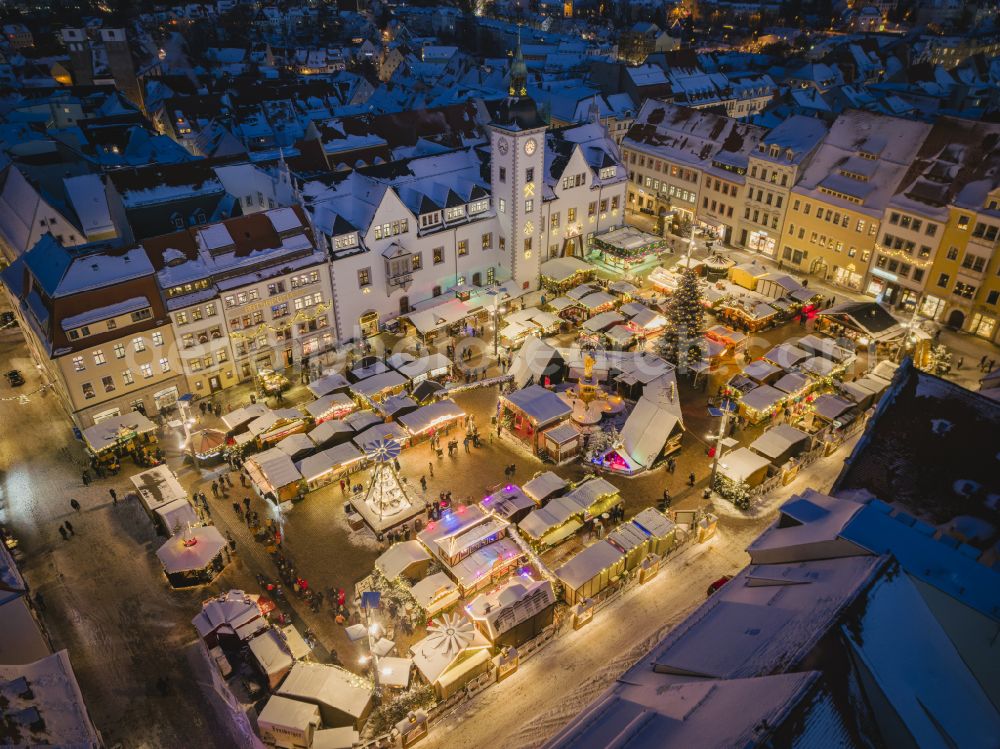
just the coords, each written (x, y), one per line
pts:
(385, 503)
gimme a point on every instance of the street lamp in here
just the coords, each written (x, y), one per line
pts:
(496, 292)
(718, 438)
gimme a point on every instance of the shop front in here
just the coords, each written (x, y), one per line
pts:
(931, 307)
(848, 277)
(368, 323)
(982, 325)
(762, 242)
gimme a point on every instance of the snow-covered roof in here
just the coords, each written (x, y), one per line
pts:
(294, 444)
(650, 425)
(448, 639)
(43, 705)
(394, 561)
(431, 364)
(96, 314)
(179, 555)
(379, 383)
(380, 431)
(276, 467)
(328, 685)
(106, 434)
(432, 589)
(603, 320)
(786, 355)
(326, 460)
(760, 370)
(507, 501)
(540, 405)
(791, 382)
(235, 419)
(830, 406)
(328, 384)
(86, 195)
(777, 440)
(505, 607)
(544, 485)
(233, 612)
(809, 526)
(328, 430)
(293, 715)
(329, 402)
(741, 463)
(157, 486)
(588, 564)
(763, 397)
(532, 360)
(561, 269)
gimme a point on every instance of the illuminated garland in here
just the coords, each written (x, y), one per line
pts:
(904, 255)
(298, 317)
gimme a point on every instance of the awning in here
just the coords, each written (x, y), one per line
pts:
(564, 531)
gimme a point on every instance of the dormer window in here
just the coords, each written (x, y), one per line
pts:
(479, 206)
(609, 172)
(452, 214)
(345, 241)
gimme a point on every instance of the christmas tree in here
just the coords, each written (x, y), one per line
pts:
(737, 492)
(681, 341)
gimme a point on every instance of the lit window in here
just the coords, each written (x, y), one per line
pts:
(127, 377)
(78, 363)
(139, 344)
(147, 370)
(157, 338)
(99, 357)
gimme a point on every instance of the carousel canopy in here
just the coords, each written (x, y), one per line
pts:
(191, 550)
(117, 430)
(207, 442)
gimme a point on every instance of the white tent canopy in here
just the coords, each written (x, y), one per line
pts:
(109, 432)
(180, 555)
(648, 428)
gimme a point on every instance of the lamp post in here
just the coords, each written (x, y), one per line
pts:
(496, 293)
(718, 444)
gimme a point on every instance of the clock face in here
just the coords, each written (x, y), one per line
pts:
(530, 146)
(503, 146)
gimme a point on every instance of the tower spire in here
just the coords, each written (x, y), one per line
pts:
(518, 83)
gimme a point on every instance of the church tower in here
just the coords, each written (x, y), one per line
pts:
(517, 142)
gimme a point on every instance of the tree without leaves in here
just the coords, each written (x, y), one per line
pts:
(681, 341)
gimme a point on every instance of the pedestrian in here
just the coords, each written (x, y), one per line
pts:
(62, 532)
(114, 496)
(74, 504)
(343, 486)
(465, 442)
(423, 483)
(236, 508)
(204, 499)
(691, 479)
(246, 503)
(982, 363)
(989, 366)
(228, 479)
(430, 466)
(86, 478)
(243, 480)
(69, 527)
(671, 465)
(395, 463)
(232, 541)
(215, 489)
(961, 361)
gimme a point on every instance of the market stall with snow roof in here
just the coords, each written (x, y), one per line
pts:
(452, 654)
(193, 557)
(780, 443)
(369, 366)
(277, 424)
(544, 486)
(524, 413)
(426, 391)
(296, 446)
(274, 476)
(397, 405)
(747, 275)
(330, 406)
(229, 619)
(603, 321)
(330, 465)
(747, 313)
(426, 367)
(760, 403)
(515, 613)
(826, 348)
(733, 340)
(658, 527)
(126, 432)
(404, 559)
(343, 698)
(288, 723)
(379, 387)
(787, 355)
(330, 433)
(508, 502)
(359, 421)
(563, 273)
(596, 302)
(426, 420)
(646, 321)
(590, 571)
(535, 362)
(275, 651)
(794, 384)
(619, 337)
(561, 443)
(762, 371)
(435, 593)
(653, 429)
(381, 431)
(238, 420)
(743, 465)
(328, 384)
(831, 411)
(164, 499)
(627, 246)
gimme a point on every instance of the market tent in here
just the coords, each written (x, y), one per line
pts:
(377, 384)
(275, 651)
(331, 383)
(631, 309)
(268, 421)
(157, 487)
(588, 493)
(296, 446)
(792, 382)
(322, 463)
(330, 431)
(404, 559)
(284, 717)
(620, 336)
(819, 366)
(579, 292)
(433, 365)
(333, 405)
(426, 390)
(243, 416)
(870, 319)
(561, 303)
(435, 593)
(369, 367)
(343, 698)
(429, 320)
(538, 404)
(623, 287)
(830, 407)
(430, 416)
(744, 465)
(763, 398)
(543, 486)
(562, 269)
(544, 320)
(118, 429)
(271, 470)
(588, 564)
(596, 299)
(648, 428)
(647, 319)
(513, 331)
(397, 405)
(372, 434)
(533, 361)
(825, 347)
(192, 550)
(780, 442)
(359, 421)
(761, 371)
(786, 355)
(876, 384)
(539, 522)
(400, 358)
(177, 515)
(509, 502)
(604, 320)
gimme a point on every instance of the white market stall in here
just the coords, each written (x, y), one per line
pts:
(428, 419)
(329, 465)
(193, 556)
(274, 475)
(164, 499)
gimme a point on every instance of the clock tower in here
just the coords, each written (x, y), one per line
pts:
(517, 142)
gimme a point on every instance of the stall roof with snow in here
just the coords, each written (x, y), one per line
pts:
(432, 365)
(118, 429)
(778, 441)
(825, 347)
(330, 430)
(588, 564)
(786, 355)
(544, 485)
(763, 397)
(233, 612)
(538, 404)
(870, 319)
(157, 487)
(741, 464)
(331, 402)
(374, 386)
(243, 416)
(180, 555)
(400, 557)
(534, 360)
(295, 445)
(651, 423)
(603, 321)
(519, 599)
(328, 384)
(272, 469)
(380, 431)
(507, 501)
(430, 416)
(342, 697)
(333, 458)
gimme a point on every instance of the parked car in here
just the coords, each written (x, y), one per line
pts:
(714, 587)
(15, 378)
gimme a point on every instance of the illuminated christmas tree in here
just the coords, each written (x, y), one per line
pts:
(681, 341)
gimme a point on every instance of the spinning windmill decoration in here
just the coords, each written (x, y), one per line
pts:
(451, 634)
(386, 495)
